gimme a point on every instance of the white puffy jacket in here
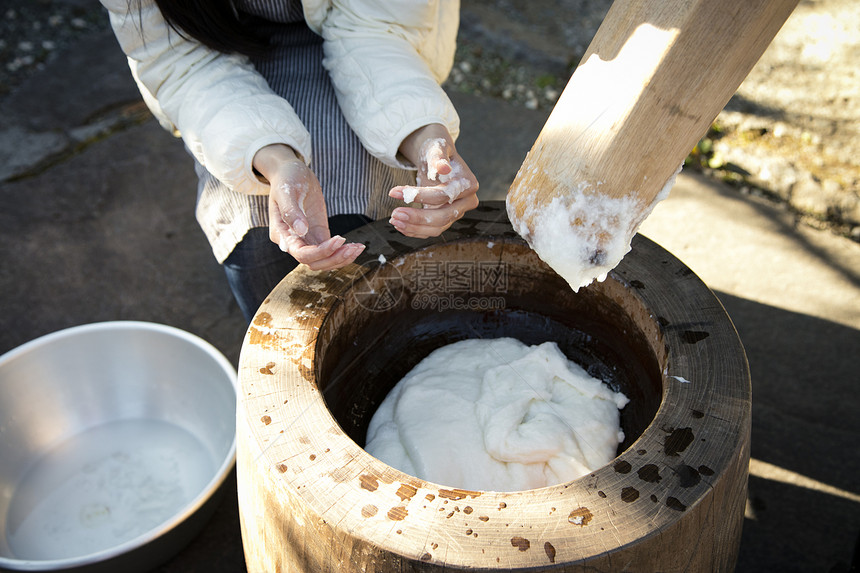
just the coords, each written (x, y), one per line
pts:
(386, 59)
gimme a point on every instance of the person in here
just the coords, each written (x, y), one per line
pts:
(305, 119)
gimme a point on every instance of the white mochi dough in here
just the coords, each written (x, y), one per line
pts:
(497, 415)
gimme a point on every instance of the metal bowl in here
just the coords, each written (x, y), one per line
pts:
(115, 439)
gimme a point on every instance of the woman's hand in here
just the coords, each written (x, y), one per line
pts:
(446, 187)
(298, 222)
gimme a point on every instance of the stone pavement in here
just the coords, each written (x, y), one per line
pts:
(97, 224)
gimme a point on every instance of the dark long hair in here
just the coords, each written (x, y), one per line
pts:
(216, 24)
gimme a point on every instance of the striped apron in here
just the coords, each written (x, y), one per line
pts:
(352, 180)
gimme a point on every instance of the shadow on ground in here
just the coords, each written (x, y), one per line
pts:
(804, 420)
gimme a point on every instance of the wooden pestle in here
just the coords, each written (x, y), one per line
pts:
(654, 77)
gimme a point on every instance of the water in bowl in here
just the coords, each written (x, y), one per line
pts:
(106, 486)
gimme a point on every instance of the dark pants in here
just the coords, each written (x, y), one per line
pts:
(257, 265)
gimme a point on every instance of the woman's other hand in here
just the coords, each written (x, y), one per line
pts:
(298, 222)
(445, 187)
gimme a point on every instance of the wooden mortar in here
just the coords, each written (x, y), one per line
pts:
(326, 347)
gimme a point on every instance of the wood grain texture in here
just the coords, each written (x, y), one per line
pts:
(653, 79)
(311, 499)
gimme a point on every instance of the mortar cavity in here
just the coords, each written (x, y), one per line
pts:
(363, 350)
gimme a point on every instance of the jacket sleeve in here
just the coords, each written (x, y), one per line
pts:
(386, 59)
(223, 109)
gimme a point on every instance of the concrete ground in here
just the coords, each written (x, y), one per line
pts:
(102, 228)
